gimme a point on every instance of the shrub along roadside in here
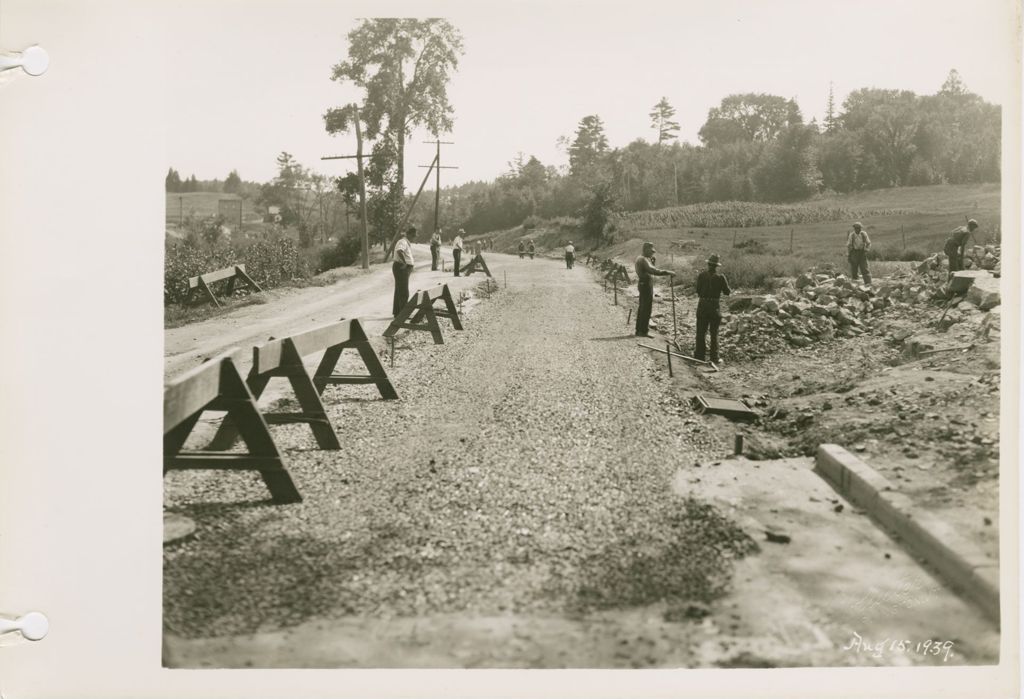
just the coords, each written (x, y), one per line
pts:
(271, 262)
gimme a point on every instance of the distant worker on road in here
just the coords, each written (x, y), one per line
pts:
(522, 249)
(570, 255)
(956, 245)
(402, 268)
(435, 249)
(457, 250)
(645, 268)
(857, 245)
(710, 287)
(529, 248)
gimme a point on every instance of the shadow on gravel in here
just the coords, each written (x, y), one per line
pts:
(612, 338)
(200, 510)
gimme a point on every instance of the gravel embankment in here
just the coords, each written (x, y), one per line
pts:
(525, 469)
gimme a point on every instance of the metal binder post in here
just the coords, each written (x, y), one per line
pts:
(34, 60)
(33, 626)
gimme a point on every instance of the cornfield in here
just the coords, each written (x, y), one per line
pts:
(742, 214)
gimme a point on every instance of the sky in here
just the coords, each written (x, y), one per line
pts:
(247, 80)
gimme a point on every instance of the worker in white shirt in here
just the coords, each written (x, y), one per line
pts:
(457, 250)
(570, 255)
(402, 268)
(857, 245)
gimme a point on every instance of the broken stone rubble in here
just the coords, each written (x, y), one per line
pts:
(819, 307)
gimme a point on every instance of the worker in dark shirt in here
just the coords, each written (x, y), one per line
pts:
(645, 268)
(956, 244)
(710, 287)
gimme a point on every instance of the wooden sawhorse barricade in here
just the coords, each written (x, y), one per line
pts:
(283, 358)
(217, 385)
(477, 264)
(419, 313)
(616, 273)
(203, 281)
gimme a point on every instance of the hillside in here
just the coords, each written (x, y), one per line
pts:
(913, 222)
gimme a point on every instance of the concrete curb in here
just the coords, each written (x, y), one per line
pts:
(958, 561)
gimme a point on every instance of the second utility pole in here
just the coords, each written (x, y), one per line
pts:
(437, 192)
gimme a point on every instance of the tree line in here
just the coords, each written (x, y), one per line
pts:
(753, 147)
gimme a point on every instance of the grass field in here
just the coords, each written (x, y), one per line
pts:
(936, 210)
(202, 204)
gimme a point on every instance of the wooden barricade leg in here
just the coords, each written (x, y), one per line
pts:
(176, 438)
(312, 409)
(227, 433)
(400, 320)
(208, 291)
(452, 309)
(376, 369)
(424, 309)
(241, 405)
(263, 456)
(240, 272)
(311, 412)
(325, 376)
(427, 311)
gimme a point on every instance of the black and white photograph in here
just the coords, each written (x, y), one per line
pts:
(537, 336)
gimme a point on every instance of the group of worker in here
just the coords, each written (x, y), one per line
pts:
(527, 248)
(711, 284)
(401, 268)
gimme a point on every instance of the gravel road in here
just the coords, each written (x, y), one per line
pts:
(525, 471)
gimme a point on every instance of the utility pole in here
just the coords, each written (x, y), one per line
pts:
(675, 180)
(437, 193)
(362, 183)
(405, 219)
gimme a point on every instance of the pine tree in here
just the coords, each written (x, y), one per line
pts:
(233, 183)
(172, 183)
(830, 111)
(661, 120)
(953, 85)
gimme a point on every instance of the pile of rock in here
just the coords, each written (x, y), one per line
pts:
(819, 307)
(816, 307)
(987, 257)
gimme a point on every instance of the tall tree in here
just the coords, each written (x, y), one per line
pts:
(830, 112)
(233, 183)
(749, 117)
(661, 121)
(404, 66)
(588, 146)
(953, 84)
(172, 183)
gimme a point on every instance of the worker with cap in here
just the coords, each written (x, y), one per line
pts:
(710, 287)
(956, 245)
(857, 245)
(570, 255)
(457, 250)
(402, 268)
(522, 249)
(645, 269)
(530, 249)
(435, 248)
